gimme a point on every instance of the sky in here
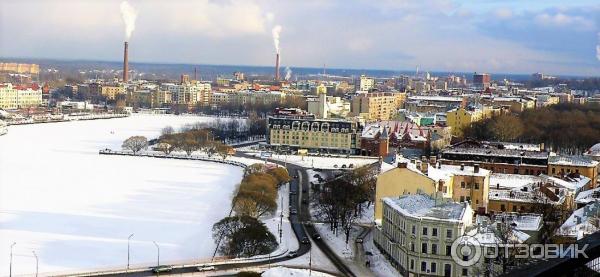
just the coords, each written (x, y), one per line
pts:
(500, 36)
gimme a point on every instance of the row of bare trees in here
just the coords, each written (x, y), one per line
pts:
(243, 235)
(192, 140)
(341, 200)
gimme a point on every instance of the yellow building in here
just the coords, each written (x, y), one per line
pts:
(460, 118)
(20, 68)
(400, 181)
(111, 92)
(377, 106)
(18, 97)
(564, 165)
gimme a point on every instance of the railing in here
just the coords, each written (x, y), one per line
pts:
(170, 156)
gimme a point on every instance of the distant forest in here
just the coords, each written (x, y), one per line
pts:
(564, 128)
(588, 84)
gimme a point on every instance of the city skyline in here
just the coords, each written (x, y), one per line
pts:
(436, 35)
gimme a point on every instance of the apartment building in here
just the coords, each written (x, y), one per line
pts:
(111, 91)
(460, 118)
(20, 96)
(417, 232)
(377, 106)
(296, 129)
(579, 165)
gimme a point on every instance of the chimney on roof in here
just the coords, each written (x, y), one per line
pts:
(424, 167)
(476, 168)
(432, 160)
(462, 166)
(402, 165)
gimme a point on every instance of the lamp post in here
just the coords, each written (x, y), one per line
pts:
(11, 255)
(128, 240)
(269, 259)
(36, 263)
(158, 253)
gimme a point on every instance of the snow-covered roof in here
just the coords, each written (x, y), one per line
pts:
(510, 181)
(572, 161)
(522, 222)
(441, 170)
(424, 206)
(588, 196)
(571, 182)
(529, 193)
(582, 222)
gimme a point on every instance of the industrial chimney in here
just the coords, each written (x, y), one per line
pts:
(126, 63)
(277, 67)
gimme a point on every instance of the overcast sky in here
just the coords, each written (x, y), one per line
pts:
(509, 36)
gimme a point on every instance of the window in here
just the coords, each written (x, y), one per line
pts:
(412, 264)
(434, 249)
(465, 272)
(414, 229)
(448, 250)
(424, 248)
(433, 267)
(553, 170)
(449, 233)
(434, 232)
(424, 266)
(477, 201)
(462, 199)
(462, 185)
(514, 209)
(412, 247)
(476, 186)
(502, 207)
(468, 198)
(424, 231)
(447, 270)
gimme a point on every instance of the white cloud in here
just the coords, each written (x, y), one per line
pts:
(503, 13)
(564, 20)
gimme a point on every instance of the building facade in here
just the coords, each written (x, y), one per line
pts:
(295, 129)
(20, 96)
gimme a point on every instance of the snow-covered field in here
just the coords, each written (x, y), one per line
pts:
(319, 162)
(76, 208)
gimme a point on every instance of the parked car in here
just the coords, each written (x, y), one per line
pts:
(206, 268)
(359, 240)
(162, 268)
(293, 211)
(316, 237)
(292, 254)
(305, 240)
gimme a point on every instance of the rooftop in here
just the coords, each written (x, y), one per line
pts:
(572, 161)
(496, 152)
(424, 206)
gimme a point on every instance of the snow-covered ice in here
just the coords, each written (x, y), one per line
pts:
(289, 272)
(76, 208)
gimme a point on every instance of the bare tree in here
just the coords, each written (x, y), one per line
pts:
(135, 144)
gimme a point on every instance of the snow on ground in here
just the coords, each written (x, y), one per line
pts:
(76, 208)
(321, 162)
(379, 264)
(292, 272)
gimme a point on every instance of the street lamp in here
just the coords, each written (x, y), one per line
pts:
(36, 263)
(11, 255)
(269, 260)
(128, 239)
(158, 255)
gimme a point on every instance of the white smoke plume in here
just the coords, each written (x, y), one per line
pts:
(129, 15)
(598, 48)
(288, 73)
(276, 31)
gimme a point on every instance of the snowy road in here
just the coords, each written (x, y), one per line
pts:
(76, 208)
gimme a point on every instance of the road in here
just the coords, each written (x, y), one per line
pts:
(304, 213)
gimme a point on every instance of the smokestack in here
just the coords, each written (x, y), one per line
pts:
(126, 63)
(277, 67)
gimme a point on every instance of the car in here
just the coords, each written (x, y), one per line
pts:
(316, 237)
(293, 192)
(368, 253)
(206, 268)
(162, 268)
(359, 240)
(305, 240)
(293, 211)
(292, 254)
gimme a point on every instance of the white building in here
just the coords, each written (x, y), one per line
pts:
(417, 232)
(328, 106)
(18, 97)
(366, 83)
